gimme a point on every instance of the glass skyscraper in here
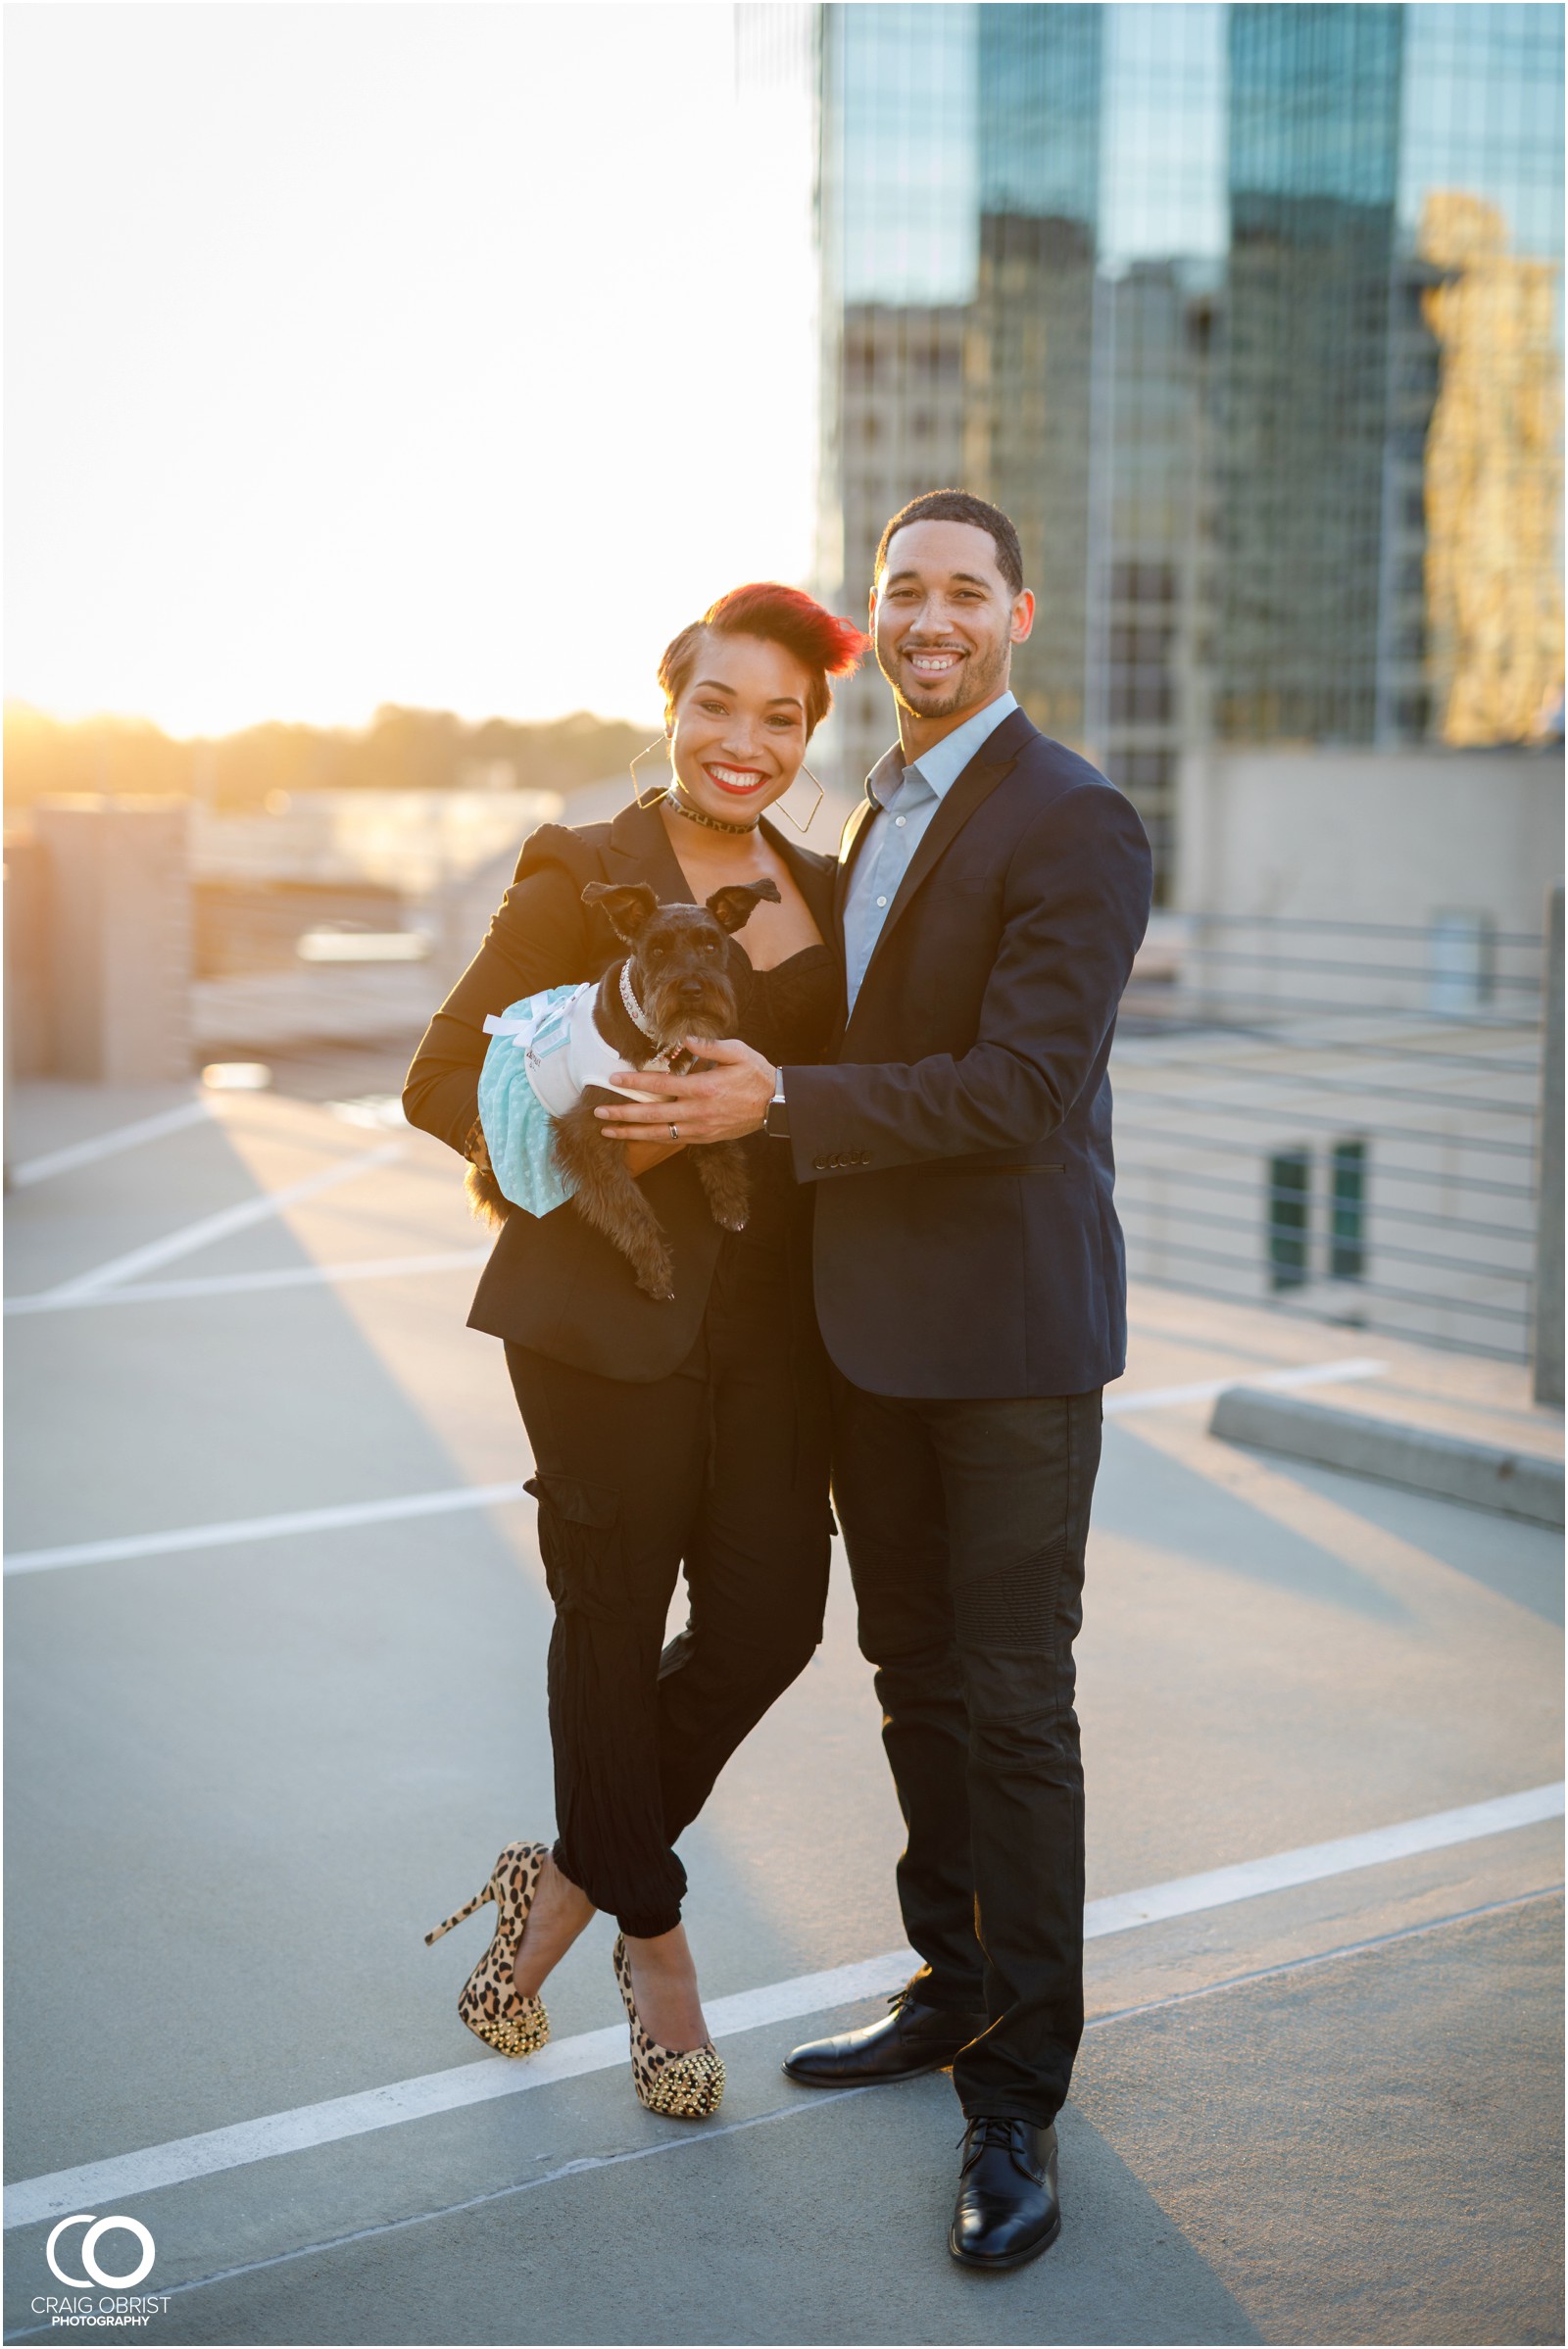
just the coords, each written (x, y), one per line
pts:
(1250, 316)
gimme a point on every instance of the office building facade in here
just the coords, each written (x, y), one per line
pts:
(1250, 316)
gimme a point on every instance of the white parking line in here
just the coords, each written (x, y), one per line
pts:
(263, 1529)
(244, 1284)
(819, 2101)
(1203, 1390)
(107, 1146)
(341, 2117)
(193, 1235)
(1311, 1863)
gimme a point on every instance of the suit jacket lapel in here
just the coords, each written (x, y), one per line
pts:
(638, 850)
(995, 758)
(813, 876)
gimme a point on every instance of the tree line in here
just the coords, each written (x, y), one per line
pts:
(400, 749)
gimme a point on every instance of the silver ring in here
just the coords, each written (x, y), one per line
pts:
(674, 1133)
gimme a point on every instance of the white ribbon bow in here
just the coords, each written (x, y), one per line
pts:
(503, 1024)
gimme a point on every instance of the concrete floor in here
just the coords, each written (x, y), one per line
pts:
(244, 1780)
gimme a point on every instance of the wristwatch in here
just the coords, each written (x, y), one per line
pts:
(778, 1119)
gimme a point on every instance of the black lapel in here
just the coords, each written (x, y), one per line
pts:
(813, 876)
(995, 757)
(638, 850)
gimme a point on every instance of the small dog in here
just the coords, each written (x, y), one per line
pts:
(673, 984)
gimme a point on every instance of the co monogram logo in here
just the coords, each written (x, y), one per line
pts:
(97, 2229)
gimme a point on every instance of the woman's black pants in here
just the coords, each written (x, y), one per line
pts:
(722, 1467)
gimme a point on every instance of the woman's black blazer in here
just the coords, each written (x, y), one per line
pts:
(552, 1283)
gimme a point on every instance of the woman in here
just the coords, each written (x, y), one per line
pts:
(693, 1432)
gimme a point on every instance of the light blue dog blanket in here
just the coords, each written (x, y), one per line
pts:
(518, 1128)
(544, 1051)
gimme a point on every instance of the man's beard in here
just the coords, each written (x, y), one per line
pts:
(978, 677)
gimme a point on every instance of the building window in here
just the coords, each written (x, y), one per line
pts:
(1347, 1212)
(1139, 698)
(1142, 583)
(1289, 1198)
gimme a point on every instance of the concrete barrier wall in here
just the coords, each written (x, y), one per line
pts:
(28, 1005)
(1484, 1476)
(118, 937)
(1370, 836)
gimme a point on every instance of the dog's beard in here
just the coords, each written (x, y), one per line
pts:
(673, 1020)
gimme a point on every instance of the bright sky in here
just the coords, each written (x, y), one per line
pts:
(451, 355)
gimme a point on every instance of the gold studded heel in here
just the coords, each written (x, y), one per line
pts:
(685, 2086)
(490, 2002)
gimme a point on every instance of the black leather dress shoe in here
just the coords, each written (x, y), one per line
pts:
(912, 2040)
(1007, 2209)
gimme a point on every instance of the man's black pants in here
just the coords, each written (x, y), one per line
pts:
(965, 1525)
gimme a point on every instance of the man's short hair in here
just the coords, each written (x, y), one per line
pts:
(960, 505)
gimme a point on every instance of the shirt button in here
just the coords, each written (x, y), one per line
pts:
(898, 821)
(881, 901)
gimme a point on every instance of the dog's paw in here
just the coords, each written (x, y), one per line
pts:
(730, 1219)
(654, 1275)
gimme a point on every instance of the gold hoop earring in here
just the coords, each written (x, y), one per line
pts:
(661, 741)
(822, 794)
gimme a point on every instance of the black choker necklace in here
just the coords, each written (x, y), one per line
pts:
(695, 815)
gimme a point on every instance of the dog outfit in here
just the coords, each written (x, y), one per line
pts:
(543, 1052)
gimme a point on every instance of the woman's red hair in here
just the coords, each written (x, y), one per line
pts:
(823, 644)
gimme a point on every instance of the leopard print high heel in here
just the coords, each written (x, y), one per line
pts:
(490, 2002)
(684, 2085)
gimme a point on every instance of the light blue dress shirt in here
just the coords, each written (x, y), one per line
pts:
(906, 797)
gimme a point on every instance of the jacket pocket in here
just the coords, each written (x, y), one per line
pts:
(579, 1543)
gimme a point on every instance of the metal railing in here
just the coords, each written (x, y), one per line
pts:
(1337, 1119)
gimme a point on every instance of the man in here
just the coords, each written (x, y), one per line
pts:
(993, 889)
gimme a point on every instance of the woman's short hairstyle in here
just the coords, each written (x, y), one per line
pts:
(824, 645)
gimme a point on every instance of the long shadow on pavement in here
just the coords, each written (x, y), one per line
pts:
(828, 2227)
(1140, 1486)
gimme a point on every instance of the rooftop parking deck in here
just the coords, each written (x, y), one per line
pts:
(276, 1642)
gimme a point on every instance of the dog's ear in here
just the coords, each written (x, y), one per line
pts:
(732, 908)
(628, 905)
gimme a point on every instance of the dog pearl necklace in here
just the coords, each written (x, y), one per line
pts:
(634, 1010)
(715, 823)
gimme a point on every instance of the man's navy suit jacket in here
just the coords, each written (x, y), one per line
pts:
(966, 1243)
